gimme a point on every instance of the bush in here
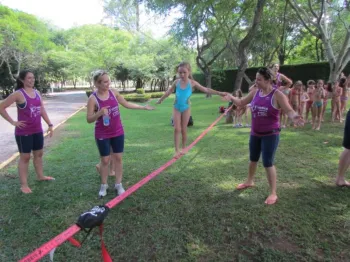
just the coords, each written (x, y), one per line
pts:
(140, 91)
(137, 98)
(88, 93)
(157, 94)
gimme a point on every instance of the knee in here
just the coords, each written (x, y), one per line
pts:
(177, 129)
(38, 155)
(105, 160)
(25, 158)
(117, 159)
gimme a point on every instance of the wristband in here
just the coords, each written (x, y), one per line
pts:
(50, 125)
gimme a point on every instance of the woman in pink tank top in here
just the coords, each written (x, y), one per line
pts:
(265, 105)
(103, 110)
(28, 130)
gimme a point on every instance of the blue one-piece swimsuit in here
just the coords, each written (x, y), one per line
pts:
(182, 97)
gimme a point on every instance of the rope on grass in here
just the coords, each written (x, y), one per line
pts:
(46, 248)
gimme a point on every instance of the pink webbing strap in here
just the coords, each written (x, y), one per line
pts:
(40, 252)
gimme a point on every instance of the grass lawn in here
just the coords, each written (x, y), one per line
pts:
(190, 212)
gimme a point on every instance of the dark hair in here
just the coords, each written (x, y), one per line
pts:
(21, 76)
(240, 93)
(97, 74)
(266, 73)
(342, 82)
(318, 80)
(329, 87)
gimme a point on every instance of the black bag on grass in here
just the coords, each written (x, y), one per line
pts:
(93, 217)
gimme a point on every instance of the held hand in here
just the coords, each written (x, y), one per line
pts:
(148, 107)
(298, 121)
(223, 93)
(19, 124)
(227, 98)
(104, 111)
(50, 131)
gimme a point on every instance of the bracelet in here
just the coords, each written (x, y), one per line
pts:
(50, 125)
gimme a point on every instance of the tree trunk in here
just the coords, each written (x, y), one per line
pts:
(208, 77)
(137, 6)
(316, 47)
(245, 43)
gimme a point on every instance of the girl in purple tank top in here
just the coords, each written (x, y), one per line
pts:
(28, 130)
(103, 109)
(266, 102)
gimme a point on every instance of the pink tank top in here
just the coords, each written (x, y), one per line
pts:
(30, 114)
(265, 117)
(278, 81)
(115, 127)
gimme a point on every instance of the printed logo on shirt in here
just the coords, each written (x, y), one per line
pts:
(114, 111)
(35, 111)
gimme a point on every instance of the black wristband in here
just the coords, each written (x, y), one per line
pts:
(50, 125)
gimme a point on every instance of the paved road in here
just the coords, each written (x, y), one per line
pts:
(58, 107)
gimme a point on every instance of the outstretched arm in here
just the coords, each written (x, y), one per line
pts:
(167, 93)
(128, 105)
(242, 101)
(206, 90)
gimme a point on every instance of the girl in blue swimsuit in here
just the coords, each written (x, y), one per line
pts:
(181, 112)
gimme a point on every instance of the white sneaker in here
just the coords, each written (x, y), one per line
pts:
(119, 189)
(103, 190)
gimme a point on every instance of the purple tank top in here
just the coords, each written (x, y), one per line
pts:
(115, 127)
(265, 117)
(30, 114)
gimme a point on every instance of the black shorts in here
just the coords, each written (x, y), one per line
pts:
(29, 143)
(346, 139)
(105, 145)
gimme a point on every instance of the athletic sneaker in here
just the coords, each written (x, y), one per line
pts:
(103, 190)
(119, 189)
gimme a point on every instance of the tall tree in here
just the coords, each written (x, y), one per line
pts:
(322, 19)
(125, 13)
(245, 43)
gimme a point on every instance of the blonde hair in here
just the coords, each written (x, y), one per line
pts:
(187, 66)
(97, 74)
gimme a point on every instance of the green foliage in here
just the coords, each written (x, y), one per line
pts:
(140, 91)
(157, 94)
(88, 93)
(141, 98)
(224, 80)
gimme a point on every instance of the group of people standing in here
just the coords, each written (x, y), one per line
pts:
(313, 97)
(267, 99)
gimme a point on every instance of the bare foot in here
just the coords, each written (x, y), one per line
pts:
(26, 190)
(244, 186)
(343, 183)
(46, 178)
(177, 155)
(271, 199)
